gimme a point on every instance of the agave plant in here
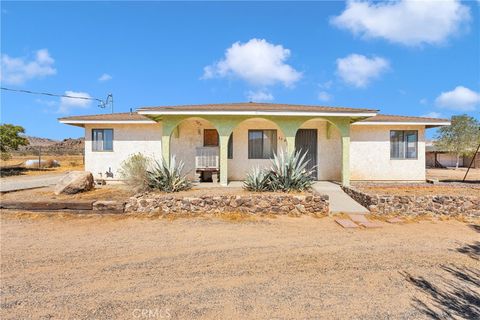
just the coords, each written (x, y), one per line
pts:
(290, 173)
(168, 177)
(257, 180)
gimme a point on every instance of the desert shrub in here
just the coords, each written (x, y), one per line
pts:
(257, 180)
(168, 177)
(134, 172)
(287, 173)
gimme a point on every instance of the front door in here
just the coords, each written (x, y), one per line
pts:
(306, 141)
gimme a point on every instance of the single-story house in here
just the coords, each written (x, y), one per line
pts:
(228, 140)
(438, 158)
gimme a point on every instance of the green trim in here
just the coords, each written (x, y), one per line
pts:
(287, 125)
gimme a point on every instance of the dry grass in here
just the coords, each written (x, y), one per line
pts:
(67, 163)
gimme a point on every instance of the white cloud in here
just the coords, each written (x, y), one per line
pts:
(67, 104)
(105, 77)
(432, 114)
(459, 99)
(326, 85)
(260, 95)
(257, 61)
(49, 103)
(20, 70)
(423, 101)
(324, 96)
(405, 22)
(359, 71)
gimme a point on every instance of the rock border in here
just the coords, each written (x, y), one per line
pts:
(416, 205)
(287, 204)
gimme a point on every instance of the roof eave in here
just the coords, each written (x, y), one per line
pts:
(82, 122)
(416, 123)
(258, 113)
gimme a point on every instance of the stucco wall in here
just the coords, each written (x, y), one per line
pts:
(240, 165)
(127, 139)
(185, 138)
(369, 150)
(370, 155)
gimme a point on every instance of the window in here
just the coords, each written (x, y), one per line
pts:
(210, 138)
(102, 139)
(230, 147)
(262, 144)
(403, 144)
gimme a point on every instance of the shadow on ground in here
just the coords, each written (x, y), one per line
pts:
(453, 294)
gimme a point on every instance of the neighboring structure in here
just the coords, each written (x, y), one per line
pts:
(230, 139)
(436, 158)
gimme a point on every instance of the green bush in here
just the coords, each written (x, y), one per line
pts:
(168, 177)
(287, 173)
(134, 170)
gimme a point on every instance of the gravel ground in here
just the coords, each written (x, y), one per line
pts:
(93, 267)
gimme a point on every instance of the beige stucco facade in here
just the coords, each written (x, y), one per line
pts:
(369, 149)
(128, 139)
(370, 155)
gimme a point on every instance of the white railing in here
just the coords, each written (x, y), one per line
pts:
(206, 158)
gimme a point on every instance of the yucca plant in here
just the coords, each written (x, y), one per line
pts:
(257, 180)
(168, 177)
(290, 173)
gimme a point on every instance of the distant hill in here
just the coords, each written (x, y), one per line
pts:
(50, 146)
(36, 141)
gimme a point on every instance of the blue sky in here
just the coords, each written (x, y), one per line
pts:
(409, 58)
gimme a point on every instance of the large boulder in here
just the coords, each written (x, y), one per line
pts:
(74, 182)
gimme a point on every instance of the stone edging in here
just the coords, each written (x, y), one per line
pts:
(414, 205)
(255, 203)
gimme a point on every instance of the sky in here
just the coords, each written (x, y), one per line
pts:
(419, 58)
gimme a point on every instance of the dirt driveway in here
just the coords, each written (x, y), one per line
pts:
(284, 268)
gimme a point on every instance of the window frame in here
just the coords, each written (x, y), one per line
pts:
(263, 137)
(93, 139)
(404, 145)
(210, 145)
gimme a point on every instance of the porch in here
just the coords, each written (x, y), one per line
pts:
(226, 149)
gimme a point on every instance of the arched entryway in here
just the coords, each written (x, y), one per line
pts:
(195, 141)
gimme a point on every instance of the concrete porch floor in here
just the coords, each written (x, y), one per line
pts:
(340, 202)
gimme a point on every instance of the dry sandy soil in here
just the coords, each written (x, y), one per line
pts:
(94, 267)
(459, 189)
(453, 174)
(108, 192)
(121, 192)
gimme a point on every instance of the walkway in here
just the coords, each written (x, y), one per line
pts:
(339, 200)
(29, 182)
